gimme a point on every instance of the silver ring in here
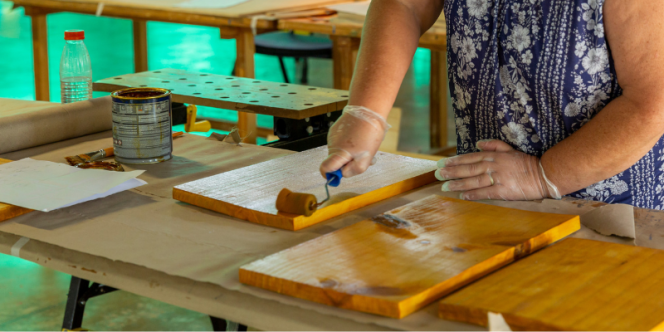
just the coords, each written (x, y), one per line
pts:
(490, 178)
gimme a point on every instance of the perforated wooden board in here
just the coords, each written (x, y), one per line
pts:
(250, 193)
(576, 284)
(234, 93)
(10, 211)
(396, 263)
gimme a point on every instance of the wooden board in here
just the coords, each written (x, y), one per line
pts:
(250, 193)
(10, 211)
(576, 284)
(245, 9)
(234, 93)
(377, 267)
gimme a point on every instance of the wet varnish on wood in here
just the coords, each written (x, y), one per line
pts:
(398, 262)
(250, 193)
(576, 284)
(10, 211)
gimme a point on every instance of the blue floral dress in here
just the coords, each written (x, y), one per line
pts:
(531, 73)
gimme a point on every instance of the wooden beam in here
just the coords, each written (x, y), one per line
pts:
(344, 55)
(140, 45)
(438, 103)
(244, 67)
(40, 54)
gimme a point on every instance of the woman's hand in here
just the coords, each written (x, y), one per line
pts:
(353, 140)
(498, 172)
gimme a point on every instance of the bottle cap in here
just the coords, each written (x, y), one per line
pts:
(74, 35)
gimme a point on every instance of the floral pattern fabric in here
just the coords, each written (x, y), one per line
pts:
(531, 73)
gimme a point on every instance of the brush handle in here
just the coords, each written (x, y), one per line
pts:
(109, 152)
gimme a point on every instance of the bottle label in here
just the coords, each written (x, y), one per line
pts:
(142, 130)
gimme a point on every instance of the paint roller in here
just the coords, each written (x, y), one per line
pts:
(303, 203)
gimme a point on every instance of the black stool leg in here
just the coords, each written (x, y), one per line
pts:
(305, 71)
(219, 324)
(283, 69)
(75, 303)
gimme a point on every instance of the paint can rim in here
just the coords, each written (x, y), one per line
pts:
(118, 93)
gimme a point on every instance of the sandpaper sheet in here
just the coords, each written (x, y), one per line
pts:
(146, 228)
(25, 124)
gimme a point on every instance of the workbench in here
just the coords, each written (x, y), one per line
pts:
(144, 242)
(346, 36)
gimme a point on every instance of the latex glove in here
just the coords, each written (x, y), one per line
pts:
(353, 140)
(497, 172)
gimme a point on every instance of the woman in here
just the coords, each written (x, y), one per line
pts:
(551, 97)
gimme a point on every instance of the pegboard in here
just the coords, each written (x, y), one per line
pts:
(234, 93)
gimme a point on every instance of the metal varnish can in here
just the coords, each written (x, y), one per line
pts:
(142, 131)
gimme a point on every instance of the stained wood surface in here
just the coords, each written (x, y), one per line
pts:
(155, 7)
(250, 193)
(576, 284)
(10, 211)
(235, 93)
(434, 39)
(386, 268)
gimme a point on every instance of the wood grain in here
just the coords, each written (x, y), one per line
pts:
(246, 95)
(10, 211)
(250, 193)
(378, 267)
(576, 284)
(140, 31)
(40, 55)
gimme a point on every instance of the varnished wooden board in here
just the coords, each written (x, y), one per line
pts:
(576, 284)
(381, 267)
(235, 93)
(10, 211)
(248, 8)
(250, 193)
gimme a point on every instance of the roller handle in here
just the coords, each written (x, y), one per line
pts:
(334, 178)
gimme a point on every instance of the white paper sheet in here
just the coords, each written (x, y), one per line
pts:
(46, 186)
(209, 3)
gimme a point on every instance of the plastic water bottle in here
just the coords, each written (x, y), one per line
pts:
(75, 69)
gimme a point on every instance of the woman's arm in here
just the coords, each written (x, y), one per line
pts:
(630, 125)
(615, 139)
(389, 40)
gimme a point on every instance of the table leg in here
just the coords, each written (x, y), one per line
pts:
(344, 54)
(244, 67)
(140, 46)
(438, 102)
(40, 53)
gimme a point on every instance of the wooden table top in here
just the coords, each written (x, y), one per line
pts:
(434, 38)
(234, 93)
(165, 10)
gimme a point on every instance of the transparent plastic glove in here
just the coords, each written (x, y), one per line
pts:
(497, 172)
(353, 140)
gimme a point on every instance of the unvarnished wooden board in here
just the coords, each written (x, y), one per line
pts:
(250, 193)
(381, 267)
(234, 93)
(10, 211)
(576, 284)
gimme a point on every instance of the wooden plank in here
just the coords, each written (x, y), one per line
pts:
(344, 55)
(40, 55)
(250, 193)
(398, 262)
(10, 211)
(246, 95)
(438, 97)
(140, 30)
(128, 9)
(576, 284)
(244, 67)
